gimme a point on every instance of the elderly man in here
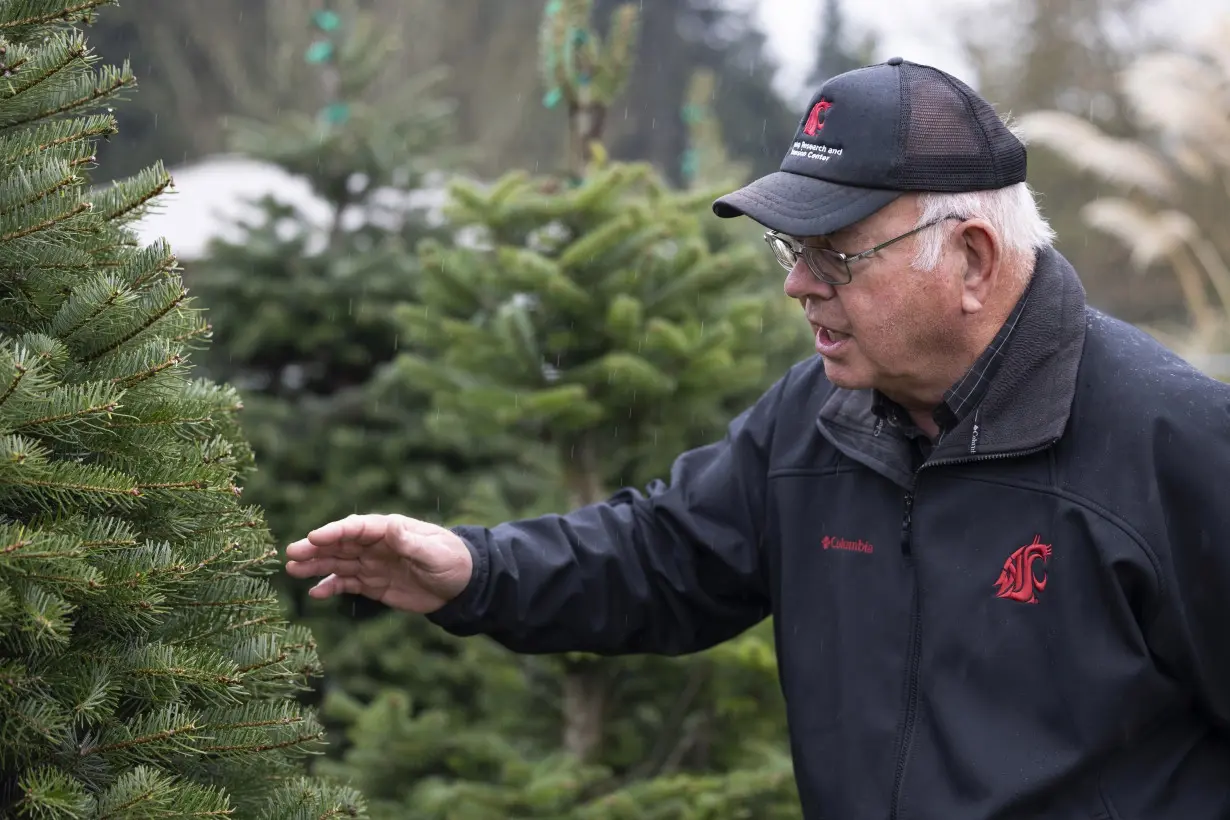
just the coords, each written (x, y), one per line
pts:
(983, 518)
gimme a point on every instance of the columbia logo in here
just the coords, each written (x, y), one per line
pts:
(831, 543)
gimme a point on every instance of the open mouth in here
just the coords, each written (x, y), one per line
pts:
(828, 340)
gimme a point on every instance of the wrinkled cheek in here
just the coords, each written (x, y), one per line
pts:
(882, 349)
(872, 338)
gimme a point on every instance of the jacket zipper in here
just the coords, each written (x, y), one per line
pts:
(915, 646)
(911, 703)
(907, 522)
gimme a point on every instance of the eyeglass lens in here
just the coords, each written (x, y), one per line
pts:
(824, 264)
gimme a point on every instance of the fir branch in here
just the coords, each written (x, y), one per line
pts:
(108, 534)
(160, 736)
(16, 541)
(258, 748)
(53, 138)
(177, 485)
(20, 372)
(149, 264)
(147, 792)
(46, 224)
(22, 189)
(232, 602)
(135, 423)
(148, 373)
(141, 328)
(256, 560)
(223, 626)
(184, 673)
(56, 484)
(197, 332)
(265, 664)
(40, 716)
(55, 418)
(13, 546)
(56, 13)
(47, 620)
(110, 86)
(128, 196)
(44, 67)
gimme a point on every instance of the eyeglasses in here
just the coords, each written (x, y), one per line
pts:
(826, 264)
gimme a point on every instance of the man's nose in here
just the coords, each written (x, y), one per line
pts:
(801, 283)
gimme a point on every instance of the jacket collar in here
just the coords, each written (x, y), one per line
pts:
(1027, 403)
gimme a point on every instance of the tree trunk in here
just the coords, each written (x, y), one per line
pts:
(587, 680)
(586, 684)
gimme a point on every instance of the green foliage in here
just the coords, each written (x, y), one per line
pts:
(606, 317)
(441, 728)
(606, 323)
(146, 669)
(302, 308)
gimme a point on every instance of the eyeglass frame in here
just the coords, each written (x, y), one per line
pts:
(798, 249)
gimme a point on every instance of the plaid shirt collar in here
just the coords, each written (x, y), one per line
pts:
(964, 396)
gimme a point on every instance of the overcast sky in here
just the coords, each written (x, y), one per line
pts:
(919, 30)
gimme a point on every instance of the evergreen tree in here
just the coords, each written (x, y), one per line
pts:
(611, 321)
(146, 669)
(302, 307)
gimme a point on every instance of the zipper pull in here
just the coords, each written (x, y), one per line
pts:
(907, 522)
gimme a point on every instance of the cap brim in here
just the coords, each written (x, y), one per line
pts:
(802, 206)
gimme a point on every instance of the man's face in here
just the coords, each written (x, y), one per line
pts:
(891, 327)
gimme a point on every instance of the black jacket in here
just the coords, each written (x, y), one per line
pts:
(1029, 626)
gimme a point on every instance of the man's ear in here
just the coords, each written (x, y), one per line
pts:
(982, 263)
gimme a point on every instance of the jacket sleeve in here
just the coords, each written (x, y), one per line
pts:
(676, 569)
(1192, 630)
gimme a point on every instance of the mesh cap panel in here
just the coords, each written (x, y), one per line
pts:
(952, 140)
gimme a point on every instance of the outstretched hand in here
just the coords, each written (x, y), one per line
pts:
(402, 562)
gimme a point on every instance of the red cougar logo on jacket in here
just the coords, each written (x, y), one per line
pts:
(815, 120)
(1017, 581)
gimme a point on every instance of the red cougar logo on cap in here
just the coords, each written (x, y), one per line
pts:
(815, 120)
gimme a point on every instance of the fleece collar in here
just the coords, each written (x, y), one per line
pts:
(1027, 402)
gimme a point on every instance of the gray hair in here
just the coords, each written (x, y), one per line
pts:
(1012, 212)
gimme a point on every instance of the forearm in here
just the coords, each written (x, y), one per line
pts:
(633, 576)
(676, 569)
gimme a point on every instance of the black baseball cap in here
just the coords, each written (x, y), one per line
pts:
(872, 134)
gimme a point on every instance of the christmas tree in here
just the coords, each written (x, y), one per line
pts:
(301, 299)
(611, 322)
(146, 668)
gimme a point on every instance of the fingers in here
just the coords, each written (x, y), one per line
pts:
(313, 567)
(368, 545)
(338, 585)
(346, 538)
(305, 550)
(362, 529)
